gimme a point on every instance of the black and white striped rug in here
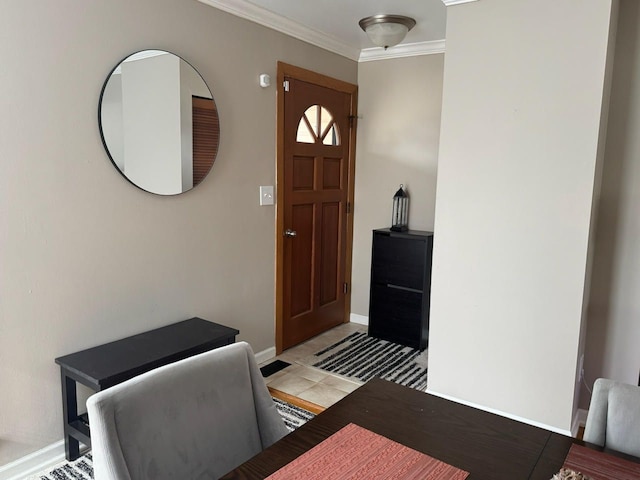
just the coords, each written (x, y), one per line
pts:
(359, 357)
(82, 468)
(292, 415)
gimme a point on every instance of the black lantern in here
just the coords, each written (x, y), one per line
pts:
(400, 217)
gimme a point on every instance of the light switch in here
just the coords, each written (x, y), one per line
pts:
(266, 195)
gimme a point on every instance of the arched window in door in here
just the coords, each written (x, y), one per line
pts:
(317, 125)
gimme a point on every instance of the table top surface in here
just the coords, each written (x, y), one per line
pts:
(486, 445)
(108, 364)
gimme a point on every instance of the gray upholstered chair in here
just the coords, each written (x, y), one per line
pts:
(613, 420)
(194, 419)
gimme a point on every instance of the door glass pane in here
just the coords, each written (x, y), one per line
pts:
(317, 126)
(325, 119)
(331, 138)
(304, 134)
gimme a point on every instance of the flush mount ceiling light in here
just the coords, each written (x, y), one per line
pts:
(387, 30)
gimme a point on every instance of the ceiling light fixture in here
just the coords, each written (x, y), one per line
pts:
(387, 30)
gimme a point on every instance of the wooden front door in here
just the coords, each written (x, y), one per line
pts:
(315, 191)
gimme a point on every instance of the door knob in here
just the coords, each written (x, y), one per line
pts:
(290, 233)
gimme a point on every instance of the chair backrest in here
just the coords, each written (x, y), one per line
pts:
(613, 420)
(193, 419)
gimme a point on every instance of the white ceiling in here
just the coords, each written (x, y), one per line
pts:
(333, 24)
(339, 18)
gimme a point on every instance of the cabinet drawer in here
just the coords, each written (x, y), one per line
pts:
(396, 315)
(398, 261)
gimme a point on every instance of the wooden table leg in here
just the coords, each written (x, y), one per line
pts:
(69, 414)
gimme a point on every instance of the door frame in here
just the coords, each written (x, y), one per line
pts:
(291, 71)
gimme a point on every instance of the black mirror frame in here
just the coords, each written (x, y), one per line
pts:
(104, 142)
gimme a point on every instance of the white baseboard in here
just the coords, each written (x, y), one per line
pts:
(582, 417)
(359, 319)
(265, 355)
(580, 420)
(34, 462)
(502, 414)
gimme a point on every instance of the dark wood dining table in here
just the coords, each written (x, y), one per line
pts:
(486, 445)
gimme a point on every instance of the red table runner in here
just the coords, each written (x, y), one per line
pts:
(600, 465)
(354, 452)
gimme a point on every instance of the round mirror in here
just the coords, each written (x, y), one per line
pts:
(158, 122)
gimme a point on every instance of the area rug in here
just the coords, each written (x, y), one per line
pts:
(360, 358)
(292, 415)
(82, 468)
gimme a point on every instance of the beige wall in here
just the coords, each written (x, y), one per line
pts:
(85, 257)
(613, 329)
(400, 101)
(521, 117)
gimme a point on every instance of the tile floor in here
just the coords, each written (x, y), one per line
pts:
(312, 384)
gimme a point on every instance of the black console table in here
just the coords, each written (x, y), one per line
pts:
(107, 365)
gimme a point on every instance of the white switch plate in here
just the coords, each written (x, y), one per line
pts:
(266, 195)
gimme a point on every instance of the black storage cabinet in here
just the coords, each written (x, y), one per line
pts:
(401, 287)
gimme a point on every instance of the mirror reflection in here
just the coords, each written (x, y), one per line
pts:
(159, 122)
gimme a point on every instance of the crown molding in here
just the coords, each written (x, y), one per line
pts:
(402, 50)
(249, 11)
(448, 3)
